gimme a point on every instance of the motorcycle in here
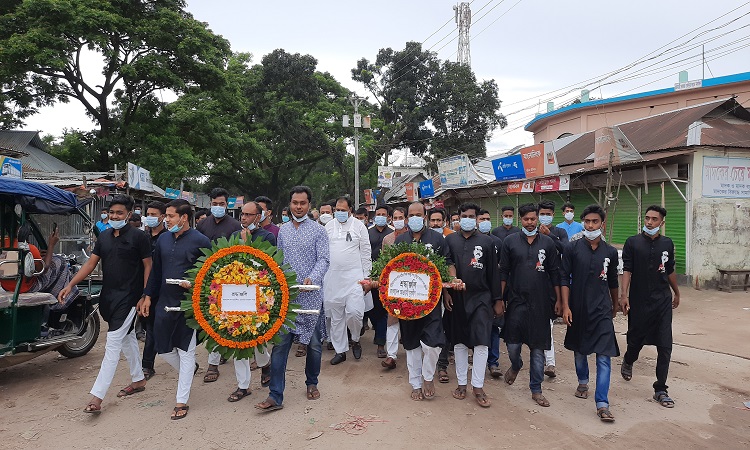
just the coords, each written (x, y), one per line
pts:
(34, 323)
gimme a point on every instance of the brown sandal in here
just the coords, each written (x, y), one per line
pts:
(443, 376)
(177, 410)
(301, 350)
(93, 408)
(212, 374)
(238, 395)
(540, 399)
(582, 391)
(510, 376)
(460, 393)
(268, 405)
(417, 395)
(605, 415)
(130, 390)
(482, 399)
(312, 392)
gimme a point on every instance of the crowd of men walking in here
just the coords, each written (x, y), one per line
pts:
(509, 282)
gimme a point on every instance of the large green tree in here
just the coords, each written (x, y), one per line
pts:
(434, 108)
(270, 126)
(144, 46)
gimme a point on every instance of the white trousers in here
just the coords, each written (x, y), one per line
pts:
(184, 363)
(214, 358)
(549, 355)
(242, 368)
(481, 352)
(347, 314)
(328, 327)
(119, 340)
(391, 340)
(422, 362)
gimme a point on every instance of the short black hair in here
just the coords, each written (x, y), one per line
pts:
(135, 218)
(483, 212)
(400, 209)
(455, 213)
(594, 209)
(301, 190)
(527, 208)
(310, 215)
(658, 209)
(105, 209)
(467, 206)
(346, 199)
(361, 210)
(567, 205)
(266, 200)
(546, 204)
(198, 214)
(325, 204)
(441, 211)
(182, 207)
(388, 210)
(508, 208)
(124, 200)
(156, 204)
(218, 192)
(285, 210)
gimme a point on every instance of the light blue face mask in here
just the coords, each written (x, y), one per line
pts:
(529, 233)
(117, 224)
(175, 228)
(218, 211)
(341, 216)
(380, 221)
(262, 216)
(545, 219)
(437, 229)
(485, 226)
(151, 221)
(468, 224)
(104, 216)
(507, 221)
(285, 219)
(416, 223)
(650, 232)
(300, 219)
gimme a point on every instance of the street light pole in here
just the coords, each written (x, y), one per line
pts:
(356, 101)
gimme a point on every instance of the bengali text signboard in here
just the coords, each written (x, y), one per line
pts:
(726, 177)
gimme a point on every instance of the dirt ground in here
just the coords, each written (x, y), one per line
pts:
(41, 401)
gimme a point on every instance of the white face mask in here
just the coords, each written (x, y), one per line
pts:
(569, 216)
(399, 224)
(325, 218)
(592, 235)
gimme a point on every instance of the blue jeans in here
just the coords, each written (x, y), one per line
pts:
(536, 365)
(494, 355)
(603, 369)
(279, 357)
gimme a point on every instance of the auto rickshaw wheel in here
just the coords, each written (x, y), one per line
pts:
(85, 343)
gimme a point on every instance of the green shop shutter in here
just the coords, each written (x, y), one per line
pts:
(623, 217)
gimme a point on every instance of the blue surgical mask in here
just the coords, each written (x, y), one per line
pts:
(117, 224)
(262, 216)
(485, 226)
(151, 222)
(650, 232)
(104, 216)
(380, 221)
(250, 227)
(437, 229)
(341, 216)
(416, 223)
(507, 221)
(468, 224)
(175, 228)
(285, 219)
(592, 235)
(545, 219)
(218, 211)
(398, 224)
(300, 219)
(529, 233)
(137, 211)
(569, 216)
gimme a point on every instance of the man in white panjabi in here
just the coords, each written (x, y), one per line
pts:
(344, 297)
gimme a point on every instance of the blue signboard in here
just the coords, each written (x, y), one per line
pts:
(509, 168)
(426, 189)
(172, 193)
(11, 167)
(231, 202)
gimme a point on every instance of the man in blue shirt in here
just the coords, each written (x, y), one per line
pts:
(570, 225)
(103, 224)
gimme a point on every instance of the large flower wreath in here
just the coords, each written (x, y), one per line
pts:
(252, 263)
(409, 258)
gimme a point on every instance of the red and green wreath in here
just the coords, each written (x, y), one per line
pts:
(403, 260)
(257, 265)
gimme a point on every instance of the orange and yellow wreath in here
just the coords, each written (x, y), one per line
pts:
(254, 264)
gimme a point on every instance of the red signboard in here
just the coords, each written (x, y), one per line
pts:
(518, 187)
(410, 196)
(552, 184)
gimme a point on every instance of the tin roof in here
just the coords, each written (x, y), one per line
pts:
(30, 150)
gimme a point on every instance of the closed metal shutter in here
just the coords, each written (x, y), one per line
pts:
(664, 194)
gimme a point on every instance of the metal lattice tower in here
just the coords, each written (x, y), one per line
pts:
(463, 21)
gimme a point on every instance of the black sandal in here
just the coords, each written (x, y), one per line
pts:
(663, 399)
(265, 376)
(177, 410)
(148, 373)
(626, 371)
(605, 415)
(238, 395)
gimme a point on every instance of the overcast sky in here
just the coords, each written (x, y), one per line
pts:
(529, 47)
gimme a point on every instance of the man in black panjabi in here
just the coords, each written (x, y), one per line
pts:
(530, 268)
(648, 264)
